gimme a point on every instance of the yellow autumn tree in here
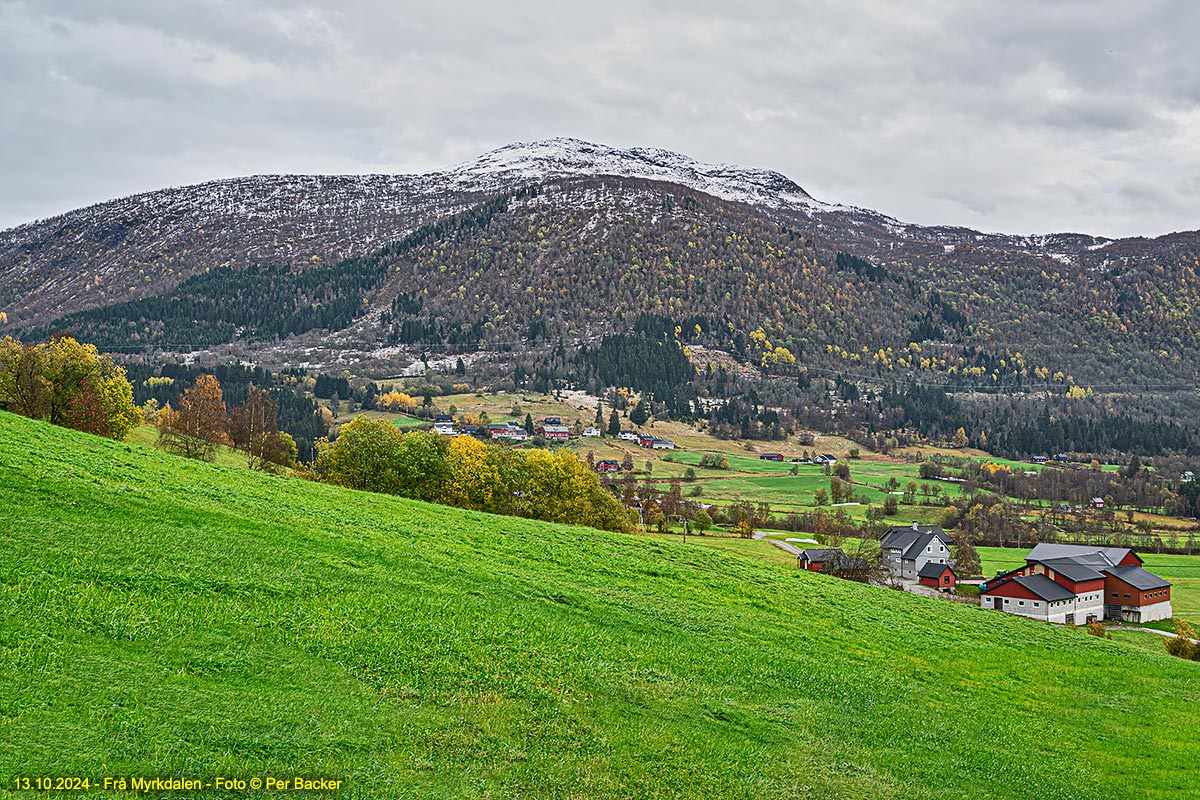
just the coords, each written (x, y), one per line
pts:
(475, 479)
(960, 438)
(396, 401)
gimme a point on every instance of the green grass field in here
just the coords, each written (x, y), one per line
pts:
(1151, 642)
(147, 436)
(159, 616)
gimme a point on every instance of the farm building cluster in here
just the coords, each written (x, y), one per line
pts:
(1061, 583)
(1067, 583)
(552, 429)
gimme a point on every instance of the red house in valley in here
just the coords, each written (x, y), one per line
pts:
(814, 559)
(1069, 583)
(555, 433)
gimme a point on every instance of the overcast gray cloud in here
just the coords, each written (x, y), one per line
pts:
(1022, 116)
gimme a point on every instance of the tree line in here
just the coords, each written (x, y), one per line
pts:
(201, 421)
(67, 383)
(464, 472)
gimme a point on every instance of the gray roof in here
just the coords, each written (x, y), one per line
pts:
(819, 555)
(1073, 569)
(1138, 578)
(932, 569)
(1078, 552)
(912, 539)
(1040, 585)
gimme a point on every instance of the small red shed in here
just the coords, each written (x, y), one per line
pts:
(938, 576)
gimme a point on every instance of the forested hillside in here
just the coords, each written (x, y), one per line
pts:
(587, 257)
(790, 311)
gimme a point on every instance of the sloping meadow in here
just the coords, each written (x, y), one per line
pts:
(165, 617)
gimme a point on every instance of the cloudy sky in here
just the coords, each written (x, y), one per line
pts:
(1019, 116)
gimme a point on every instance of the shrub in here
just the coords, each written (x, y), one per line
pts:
(1184, 644)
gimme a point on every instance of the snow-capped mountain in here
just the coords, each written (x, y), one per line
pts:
(566, 157)
(147, 244)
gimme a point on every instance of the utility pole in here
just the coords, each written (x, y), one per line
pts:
(684, 520)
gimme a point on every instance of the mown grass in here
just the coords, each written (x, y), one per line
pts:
(147, 436)
(160, 616)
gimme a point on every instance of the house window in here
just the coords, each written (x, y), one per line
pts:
(1127, 595)
(1036, 604)
(1114, 594)
(1021, 602)
(946, 579)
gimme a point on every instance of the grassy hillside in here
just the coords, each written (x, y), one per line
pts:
(162, 616)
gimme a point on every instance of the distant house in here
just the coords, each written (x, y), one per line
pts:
(905, 550)
(662, 444)
(591, 433)
(628, 436)
(1188, 477)
(1062, 458)
(509, 431)
(814, 559)
(469, 430)
(771, 457)
(444, 428)
(443, 418)
(1097, 503)
(608, 465)
(555, 433)
(1068, 583)
(1039, 459)
(826, 460)
(552, 421)
(937, 576)
(833, 561)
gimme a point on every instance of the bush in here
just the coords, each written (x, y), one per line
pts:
(714, 461)
(1184, 645)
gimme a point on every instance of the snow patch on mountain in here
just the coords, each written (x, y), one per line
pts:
(565, 157)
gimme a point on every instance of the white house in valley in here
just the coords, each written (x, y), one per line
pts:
(905, 550)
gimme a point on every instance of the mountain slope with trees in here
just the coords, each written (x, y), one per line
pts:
(792, 311)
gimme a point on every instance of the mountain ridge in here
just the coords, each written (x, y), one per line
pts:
(149, 245)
